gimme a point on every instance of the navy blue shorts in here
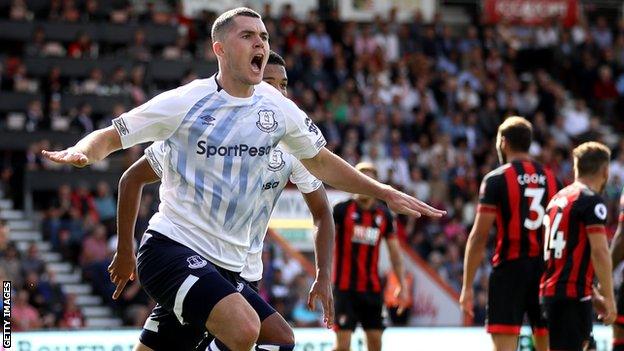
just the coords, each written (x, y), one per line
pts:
(186, 287)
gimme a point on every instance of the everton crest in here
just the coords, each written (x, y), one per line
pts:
(266, 121)
(276, 161)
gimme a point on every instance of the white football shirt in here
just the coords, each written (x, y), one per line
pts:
(217, 149)
(282, 166)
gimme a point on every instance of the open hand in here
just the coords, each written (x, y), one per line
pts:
(68, 156)
(402, 203)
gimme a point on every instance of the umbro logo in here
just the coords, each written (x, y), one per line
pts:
(207, 120)
(196, 261)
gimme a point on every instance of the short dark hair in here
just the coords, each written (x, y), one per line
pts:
(222, 22)
(275, 59)
(590, 157)
(518, 133)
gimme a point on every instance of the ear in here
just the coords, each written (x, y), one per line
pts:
(217, 47)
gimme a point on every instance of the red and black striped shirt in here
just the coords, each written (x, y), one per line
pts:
(517, 193)
(356, 250)
(573, 214)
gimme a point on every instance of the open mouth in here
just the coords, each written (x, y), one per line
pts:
(256, 63)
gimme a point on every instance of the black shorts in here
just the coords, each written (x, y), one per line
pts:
(352, 307)
(186, 287)
(619, 321)
(514, 292)
(569, 323)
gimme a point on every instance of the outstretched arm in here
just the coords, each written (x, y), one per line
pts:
(131, 185)
(90, 149)
(323, 245)
(334, 171)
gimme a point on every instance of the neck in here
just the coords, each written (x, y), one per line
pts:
(365, 202)
(232, 86)
(592, 183)
(517, 156)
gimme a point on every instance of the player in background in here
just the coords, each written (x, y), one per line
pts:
(219, 133)
(514, 197)
(361, 224)
(576, 248)
(170, 333)
(617, 255)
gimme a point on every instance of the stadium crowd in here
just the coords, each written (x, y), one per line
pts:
(422, 101)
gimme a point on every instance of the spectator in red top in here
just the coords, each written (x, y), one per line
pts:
(605, 91)
(24, 317)
(82, 47)
(72, 316)
(83, 201)
(94, 248)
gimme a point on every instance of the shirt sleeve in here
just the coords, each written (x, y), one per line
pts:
(595, 216)
(303, 179)
(155, 155)
(156, 119)
(489, 194)
(303, 139)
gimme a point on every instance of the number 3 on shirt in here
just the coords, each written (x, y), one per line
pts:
(536, 195)
(553, 237)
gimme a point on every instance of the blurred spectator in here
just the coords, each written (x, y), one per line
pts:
(177, 51)
(4, 236)
(319, 41)
(32, 262)
(11, 262)
(601, 33)
(105, 205)
(82, 47)
(83, 122)
(35, 119)
(139, 50)
(72, 317)
(94, 84)
(19, 11)
(24, 317)
(576, 118)
(92, 12)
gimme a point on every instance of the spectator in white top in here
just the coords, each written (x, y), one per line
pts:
(557, 132)
(546, 36)
(417, 185)
(388, 41)
(576, 118)
(466, 95)
(396, 170)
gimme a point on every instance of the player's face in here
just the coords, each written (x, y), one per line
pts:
(246, 49)
(276, 76)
